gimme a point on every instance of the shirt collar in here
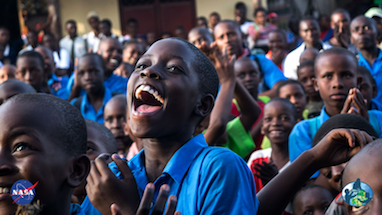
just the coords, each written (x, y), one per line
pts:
(177, 166)
(182, 159)
(6, 50)
(323, 116)
(379, 57)
(106, 97)
(244, 54)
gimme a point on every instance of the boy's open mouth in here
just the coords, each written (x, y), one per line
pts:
(4, 190)
(147, 99)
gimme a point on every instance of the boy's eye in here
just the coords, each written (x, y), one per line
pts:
(267, 119)
(308, 212)
(89, 149)
(174, 69)
(121, 118)
(285, 118)
(241, 76)
(20, 147)
(141, 66)
(327, 76)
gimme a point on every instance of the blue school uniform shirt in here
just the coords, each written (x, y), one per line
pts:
(87, 109)
(115, 83)
(376, 72)
(206, 180)
(58, 86)
(300, 138)
(271, 73)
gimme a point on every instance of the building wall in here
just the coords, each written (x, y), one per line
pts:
(78, 10)
(225, 8)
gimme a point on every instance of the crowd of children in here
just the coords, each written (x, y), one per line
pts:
(233, 120)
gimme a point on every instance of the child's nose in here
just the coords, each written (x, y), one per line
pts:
(149, 73)
(6, 167)
(337, 82)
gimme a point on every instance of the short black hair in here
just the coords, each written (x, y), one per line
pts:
(127, 43)
(279, 31)
(335, 51)
(343, 11)
(240, 5)
(106, 22)
(201, 18)
(231, 22)
(309, 18)
(71, 21)
(288, 104)
(373, 23)
(308, 63)
(366, 73)
(287, 82)
(50, 35)
(215, 14)
(208, 77)
(98, 57)
(308, 187)
(350, 121)
(18, 85)
(69, 126)
(203, 31)
(259, 9)
(33, 54)
(4, 28)
(107, 138)
(132, 20)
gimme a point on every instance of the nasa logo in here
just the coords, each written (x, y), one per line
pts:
(22, 192)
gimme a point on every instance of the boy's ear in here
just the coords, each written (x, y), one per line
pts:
(315, 84)
(204, 105)
(375, 91)
(79, 170)
(359, 81)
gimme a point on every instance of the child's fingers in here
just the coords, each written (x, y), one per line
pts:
(122, 166)
(171, 205)
(347, 104)
(90, 179)
(161, 200)
(177, 213)
(115, 209)
(349, 136)
(145, 205)
(359, 138)
(94, 170)
(102, 165)
(368, 138)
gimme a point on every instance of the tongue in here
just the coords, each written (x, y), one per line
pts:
(147, 108)
(149, 99)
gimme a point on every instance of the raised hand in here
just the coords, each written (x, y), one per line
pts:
(338, 146)
(266, 171)
(104, 188)
(355, 104)
(145, 205)
(222, 63)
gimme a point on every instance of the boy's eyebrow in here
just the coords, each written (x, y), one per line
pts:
(169, 56)
(20, 132)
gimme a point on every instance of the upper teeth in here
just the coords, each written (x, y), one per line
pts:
(4, 190)
(114, 61)
(149, 89)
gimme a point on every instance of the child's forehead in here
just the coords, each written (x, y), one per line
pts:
(89, 61)
(291, 87)
(170, 48)
(334, 59)
(247, 64)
